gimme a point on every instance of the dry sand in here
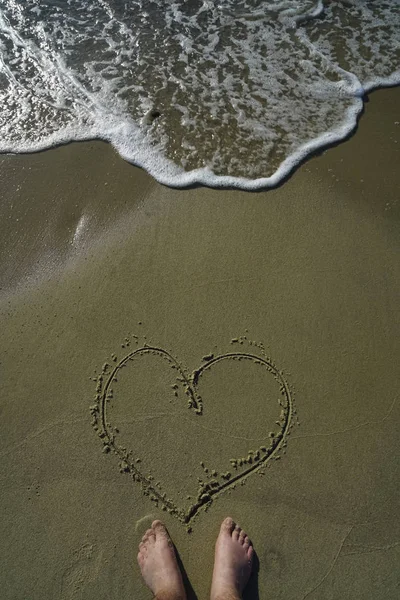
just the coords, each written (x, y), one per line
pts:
(91, 246)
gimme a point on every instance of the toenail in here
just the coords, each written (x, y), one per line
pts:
(157, 523)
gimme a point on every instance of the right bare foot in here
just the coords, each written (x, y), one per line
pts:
(233, 562)
(157, 562)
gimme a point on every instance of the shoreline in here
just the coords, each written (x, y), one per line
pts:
(97, 214)
(201, 177)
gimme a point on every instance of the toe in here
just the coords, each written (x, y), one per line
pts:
(250, 552)
(149, 536)
(236, 533)
(150, 532)
(228, 525)
(157, 524)
(242, 536)
(246, 543)
(159, 529)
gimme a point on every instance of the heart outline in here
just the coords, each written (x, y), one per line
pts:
(103, 429)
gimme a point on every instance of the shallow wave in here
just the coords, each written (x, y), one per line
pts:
(226, 94)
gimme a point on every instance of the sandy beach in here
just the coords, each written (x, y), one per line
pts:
(97, 260)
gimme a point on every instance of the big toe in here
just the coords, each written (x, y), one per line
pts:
(227, 525)
(160, 530)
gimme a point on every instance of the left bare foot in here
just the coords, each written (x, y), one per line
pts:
(157, 562)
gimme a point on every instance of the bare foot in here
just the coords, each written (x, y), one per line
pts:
(157, 562)
(233, 562)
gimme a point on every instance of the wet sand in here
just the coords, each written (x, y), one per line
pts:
(97, 260)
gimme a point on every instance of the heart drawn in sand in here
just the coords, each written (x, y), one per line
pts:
(187, 386)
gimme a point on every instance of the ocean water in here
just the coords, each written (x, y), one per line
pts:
(229, 93)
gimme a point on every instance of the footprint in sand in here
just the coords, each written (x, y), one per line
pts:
(84, 570)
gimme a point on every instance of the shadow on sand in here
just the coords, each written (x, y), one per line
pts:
(250, 592)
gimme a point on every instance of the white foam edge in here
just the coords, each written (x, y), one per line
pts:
(379, 82)
(169, 174)
(207, 177)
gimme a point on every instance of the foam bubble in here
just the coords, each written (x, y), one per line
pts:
(229, 94)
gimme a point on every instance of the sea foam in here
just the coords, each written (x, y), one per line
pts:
(234, 93)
